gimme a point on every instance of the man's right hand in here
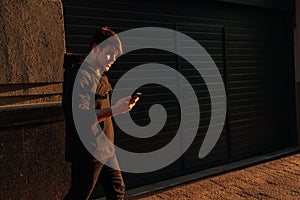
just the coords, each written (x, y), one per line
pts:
(124, 105)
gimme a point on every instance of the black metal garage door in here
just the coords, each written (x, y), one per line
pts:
(251, 46)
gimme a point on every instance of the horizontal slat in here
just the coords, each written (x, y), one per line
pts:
(250, 48)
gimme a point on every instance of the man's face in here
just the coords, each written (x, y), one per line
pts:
(106, 57)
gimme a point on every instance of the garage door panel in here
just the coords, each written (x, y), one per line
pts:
(249, 46)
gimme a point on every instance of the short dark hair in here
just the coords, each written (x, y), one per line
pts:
(102, 34)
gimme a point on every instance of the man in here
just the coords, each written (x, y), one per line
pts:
(91, 103)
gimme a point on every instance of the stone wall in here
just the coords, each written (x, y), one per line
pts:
(32, 153)
(32, 125)
(32, 49)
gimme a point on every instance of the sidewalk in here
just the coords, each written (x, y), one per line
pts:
(278, 179)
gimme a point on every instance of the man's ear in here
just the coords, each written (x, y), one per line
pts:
(94, 47)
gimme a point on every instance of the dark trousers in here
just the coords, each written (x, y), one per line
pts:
(85, 175)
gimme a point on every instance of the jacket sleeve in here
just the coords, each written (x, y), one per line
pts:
(84, 109)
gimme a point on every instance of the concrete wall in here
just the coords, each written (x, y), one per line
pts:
(32, 125)
(297, 64)
(32, 153)
(31, 51)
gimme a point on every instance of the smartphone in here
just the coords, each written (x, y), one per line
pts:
(136, 94)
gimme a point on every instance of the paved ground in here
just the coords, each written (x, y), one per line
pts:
(278, 179)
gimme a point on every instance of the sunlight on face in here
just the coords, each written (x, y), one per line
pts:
(108, 57)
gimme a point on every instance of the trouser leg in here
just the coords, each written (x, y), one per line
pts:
(84, 177)
(112, 181)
